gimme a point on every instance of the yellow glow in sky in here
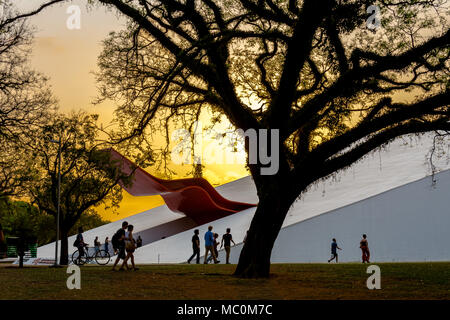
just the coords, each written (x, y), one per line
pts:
(69, 56)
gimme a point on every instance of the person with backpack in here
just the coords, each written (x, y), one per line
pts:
(118, 243)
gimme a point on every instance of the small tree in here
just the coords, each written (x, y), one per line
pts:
(88, 175)
(21, 215)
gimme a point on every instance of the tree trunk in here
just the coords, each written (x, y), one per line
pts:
(64, 252)
(254, 261)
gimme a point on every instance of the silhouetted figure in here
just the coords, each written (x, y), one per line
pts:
(195, 247)
(80, 244)
(22, 246)
(227, 238)
(364, 245)
(216, 244)
(107, 244)
(209, 245)
(130, 247)
(97, 245)
(3, 247)
(334, 248)
(139, 242)
(118, 243)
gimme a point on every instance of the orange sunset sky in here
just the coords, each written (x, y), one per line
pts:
(68, 58)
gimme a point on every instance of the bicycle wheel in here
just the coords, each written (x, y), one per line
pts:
(102, 257)
(76, 259)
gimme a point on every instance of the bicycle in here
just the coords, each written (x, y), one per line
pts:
(102, 257)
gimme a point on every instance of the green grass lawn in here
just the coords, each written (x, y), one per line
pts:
(288, 281)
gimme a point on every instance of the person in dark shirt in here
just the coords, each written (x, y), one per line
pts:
(334, 248)
(195, 247)
(97, 245)
(120, 236)
(107, 244)
(227, 238)
(80, 244)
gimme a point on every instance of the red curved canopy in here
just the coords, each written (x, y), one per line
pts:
(194, 197)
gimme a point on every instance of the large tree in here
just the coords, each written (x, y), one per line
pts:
(88, 175)
(315, 70)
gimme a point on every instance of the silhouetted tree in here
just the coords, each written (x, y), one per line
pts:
(89, 176)
(335, 89)
(24, 98)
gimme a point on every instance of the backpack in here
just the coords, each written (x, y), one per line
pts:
(115, 239)
(76, 242)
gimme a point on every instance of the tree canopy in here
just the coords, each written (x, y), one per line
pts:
(89, 177)
(25, 98)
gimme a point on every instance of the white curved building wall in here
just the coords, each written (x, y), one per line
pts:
(408, 223)
(151, 220)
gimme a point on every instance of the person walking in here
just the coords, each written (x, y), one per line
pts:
(227, 238)
(118, 243)
(130, 247)
(209, 245)
(364, 245)
(216, 244)
(107, 244)
(334, 248)
(97, 245)
(195, 247)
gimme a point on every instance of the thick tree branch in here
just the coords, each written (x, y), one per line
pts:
(350, 83)
(400, 114)
(348, 158)
(299, 48)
